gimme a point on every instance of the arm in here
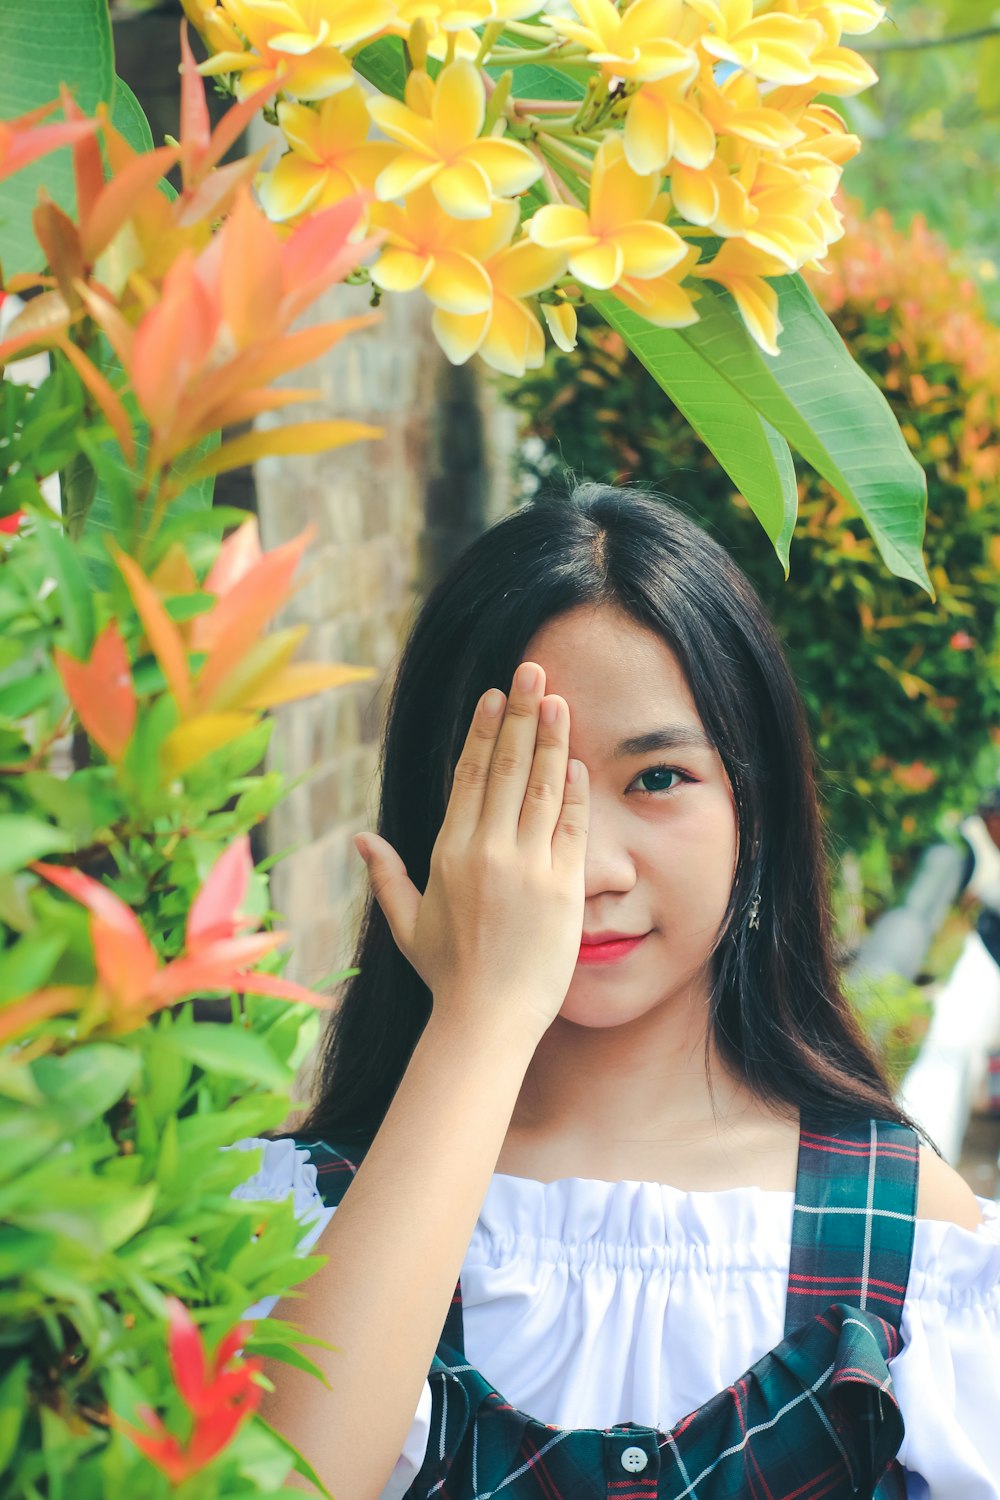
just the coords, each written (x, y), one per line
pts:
(395, 1248)
(496, 937)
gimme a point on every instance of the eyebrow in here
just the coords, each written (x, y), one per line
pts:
(671, 737)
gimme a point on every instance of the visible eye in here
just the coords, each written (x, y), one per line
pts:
(655, 781)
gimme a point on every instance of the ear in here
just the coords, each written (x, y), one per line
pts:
(944, 1195)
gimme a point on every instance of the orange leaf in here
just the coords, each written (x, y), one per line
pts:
(214, 911)
(101, 691)
(103, 394)
(239, 617)
(121, 196)
(174, 574)
(237, 555)
(21, 1014)
(88, 168)
(164, 636)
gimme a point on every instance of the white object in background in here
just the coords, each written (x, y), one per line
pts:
(984, 882)
(939, 1089)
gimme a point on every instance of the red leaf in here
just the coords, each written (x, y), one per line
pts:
(101, 691)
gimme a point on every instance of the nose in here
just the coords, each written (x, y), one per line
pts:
(609, 866)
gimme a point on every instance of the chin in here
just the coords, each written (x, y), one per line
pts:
(600, 1013)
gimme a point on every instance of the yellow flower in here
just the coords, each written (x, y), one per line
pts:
(741, 270)
(775, 47)
(622, 233)
(427, 248)
(664, 124)
(439, 125)
(330, 158)
(296, 43)
(735, 107)
(855, 16)
(662, 299)
(507, 334)
(715, 198)
(648, 39)
(453, 20)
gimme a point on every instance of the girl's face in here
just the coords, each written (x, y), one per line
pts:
(661, 853)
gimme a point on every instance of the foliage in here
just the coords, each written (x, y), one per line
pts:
(932, 127)
(900, 691)
(671, 164)
(896, 1015)
(135, 670)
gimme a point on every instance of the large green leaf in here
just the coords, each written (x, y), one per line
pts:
(753, 454)
(822, 402)
(127, 117)
(63, 41)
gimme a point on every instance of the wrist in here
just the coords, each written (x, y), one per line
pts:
(497, 1031)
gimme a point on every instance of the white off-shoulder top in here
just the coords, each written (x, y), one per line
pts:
(590, 1303)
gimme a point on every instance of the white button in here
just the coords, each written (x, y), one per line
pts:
(634, 1460)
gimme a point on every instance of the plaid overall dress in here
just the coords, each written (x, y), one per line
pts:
(814, 1419)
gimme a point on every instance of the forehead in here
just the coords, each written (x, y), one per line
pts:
(618, 676)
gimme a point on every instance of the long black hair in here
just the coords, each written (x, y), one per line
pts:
(778, 1017)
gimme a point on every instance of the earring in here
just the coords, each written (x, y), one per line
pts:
(755, 910)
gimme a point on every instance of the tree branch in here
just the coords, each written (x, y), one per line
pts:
(920, 43)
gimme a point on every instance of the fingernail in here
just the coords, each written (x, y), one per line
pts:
(550, 710)
(527, 676)
(492, 703)
(362, 847)
(573, 769)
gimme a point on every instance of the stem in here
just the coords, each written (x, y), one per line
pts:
(557, 189)
(561, 151)
(546, 106)
(491, 36)
(530, 33)
(505, 56)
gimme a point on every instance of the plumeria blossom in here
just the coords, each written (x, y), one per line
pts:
(219, 1397)
(331, 157)
(665, 124)
(242, 670)
(131, 983)
(291, 44)
(775, 47)
(440, 128)
(645, 40)
(443, 256)
(622, 234)
(742, 270)
(507, 333)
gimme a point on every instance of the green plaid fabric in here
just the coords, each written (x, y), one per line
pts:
(814, 1419)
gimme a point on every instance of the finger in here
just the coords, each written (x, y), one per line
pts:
(392, 888)
(513, 753)
(468, 787)
(569, 842)
(543, 796)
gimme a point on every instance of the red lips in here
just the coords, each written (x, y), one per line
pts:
(607, 947)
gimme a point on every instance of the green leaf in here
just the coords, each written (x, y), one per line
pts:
(753, 454)
(128, 118)
(74, 594)
(13, 1409)
(27, 964)
(69, 41)
(821, 401)
(23, 839)
(229, 1051)
(382, 63)
(85, 1083)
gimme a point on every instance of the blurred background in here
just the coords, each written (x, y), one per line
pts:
(903, 693)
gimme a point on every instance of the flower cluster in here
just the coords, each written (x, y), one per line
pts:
(664, 127)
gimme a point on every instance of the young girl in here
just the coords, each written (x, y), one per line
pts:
(597, 1069)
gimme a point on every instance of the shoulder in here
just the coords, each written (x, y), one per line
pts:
(944, 1195)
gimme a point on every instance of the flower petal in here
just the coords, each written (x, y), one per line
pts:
(291, 187)
(459, 106)
(460, 336)
(557, 226)
(649, 249)
(599, 267)
(510, 167)
(463, 190)
(458, 284)
(404, 174)
(561, 320)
